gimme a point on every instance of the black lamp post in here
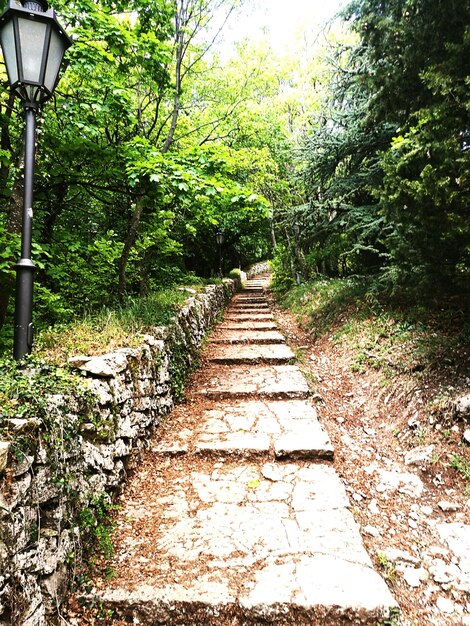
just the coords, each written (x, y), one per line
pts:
(34, 44)
(219, 237)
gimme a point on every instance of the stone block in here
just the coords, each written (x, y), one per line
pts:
(4, 450)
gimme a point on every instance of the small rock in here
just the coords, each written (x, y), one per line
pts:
(373, 506)
(406, 483)
(412, 523)
(438, 551)
(371, 530)
(426, 510)
(23, 465)
(370, 431)
(412, 486)
(445, 605)
(400, 556)
(466, 435)
(440, 571)
(449, 507)
(20, 425)
(419, 455)
(340, 420)
(4, 449)
(462, 406)
(466, 620)
(358, 497)
(413, 576)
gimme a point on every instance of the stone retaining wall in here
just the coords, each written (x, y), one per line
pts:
(259, 268)
(55, 495)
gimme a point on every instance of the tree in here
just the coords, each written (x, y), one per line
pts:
(385, 176)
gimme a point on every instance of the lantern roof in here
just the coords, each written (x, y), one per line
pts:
(33, 45)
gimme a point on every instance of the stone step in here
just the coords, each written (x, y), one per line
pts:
(247, 311)
(249, 298)
(282, 429)
(241, 544)
(274, 353)
(251, 304)
(247, 325)
(228, 335)
(241, 381)
(237, 316)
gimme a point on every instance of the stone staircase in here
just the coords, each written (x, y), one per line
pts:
(236, 515)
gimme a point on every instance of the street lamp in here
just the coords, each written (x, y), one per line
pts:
(219, 237)
(33, 44)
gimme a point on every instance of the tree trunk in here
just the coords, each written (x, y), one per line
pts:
(273, 234)
(177, 97)
(129, 242)
(13, 225)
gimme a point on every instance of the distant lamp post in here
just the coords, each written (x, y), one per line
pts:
(464, 140)
(33, 44)
(219, 237)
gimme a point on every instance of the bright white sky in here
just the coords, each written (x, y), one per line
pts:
(281, 20)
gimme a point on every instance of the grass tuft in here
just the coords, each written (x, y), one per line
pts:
(111, 328)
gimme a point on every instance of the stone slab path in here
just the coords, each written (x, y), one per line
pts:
(237, 515)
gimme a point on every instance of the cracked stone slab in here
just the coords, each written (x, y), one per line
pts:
(288, 429)
(246, 336)
(279, 546)
(241, 444)
(257, 353)
(238, 381)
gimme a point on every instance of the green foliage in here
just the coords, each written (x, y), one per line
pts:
(26, 390)
(461, 464)
(129, 190)
(282, 270)
(385, 175)
(389, 571)
(96, 525)
(9, 247)
(110, 327)
(393, 336)
(236, 275)
(42, 395)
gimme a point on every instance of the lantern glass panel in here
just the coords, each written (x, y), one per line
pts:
(32, 38)
(56, 53)
(9, 51)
